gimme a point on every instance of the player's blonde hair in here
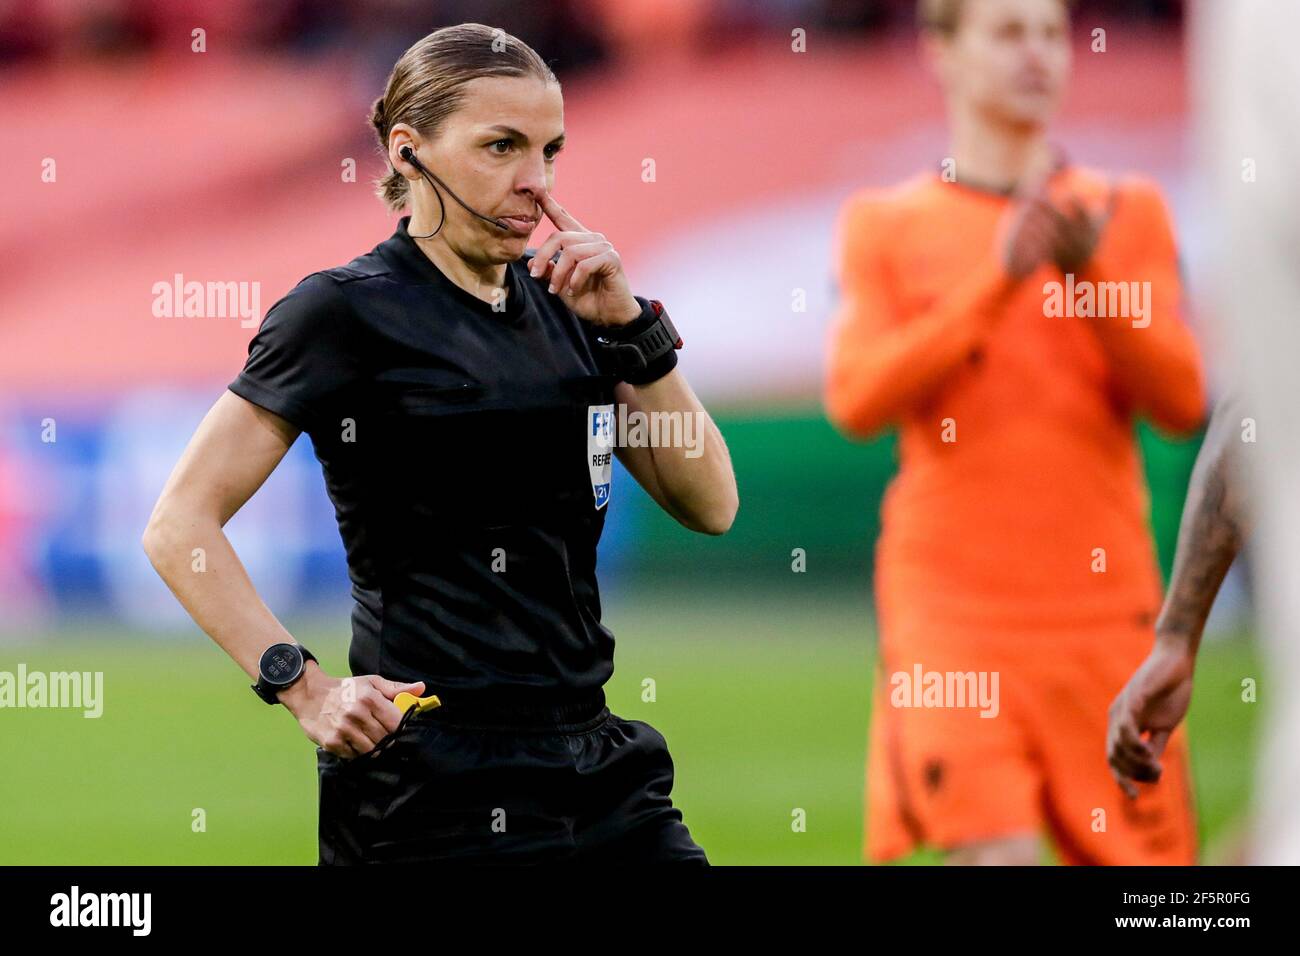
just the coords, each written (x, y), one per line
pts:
(944, 16)
(427, 85)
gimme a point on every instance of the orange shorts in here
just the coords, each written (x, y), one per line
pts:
(943, 776)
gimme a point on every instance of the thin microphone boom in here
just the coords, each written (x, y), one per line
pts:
(408, 154)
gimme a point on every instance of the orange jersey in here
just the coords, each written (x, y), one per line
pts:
(1020, 499)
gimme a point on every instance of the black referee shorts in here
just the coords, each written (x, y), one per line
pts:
(496, 783)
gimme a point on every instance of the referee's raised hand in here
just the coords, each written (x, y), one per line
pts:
(346, 716)
(588, 275)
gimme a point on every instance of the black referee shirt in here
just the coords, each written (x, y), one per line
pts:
(466, 451)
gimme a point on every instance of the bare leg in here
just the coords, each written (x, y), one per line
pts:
(1022, 850)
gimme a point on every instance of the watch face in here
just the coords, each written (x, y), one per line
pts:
(281, 663)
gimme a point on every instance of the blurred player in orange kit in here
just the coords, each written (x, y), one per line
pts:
(1012, 314)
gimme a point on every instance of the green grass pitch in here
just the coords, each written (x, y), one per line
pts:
(763, 700)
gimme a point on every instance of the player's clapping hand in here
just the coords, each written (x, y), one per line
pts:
(1077, 231)
(588, 275)
(346, 716)
(1029, 231)
(1153, 703)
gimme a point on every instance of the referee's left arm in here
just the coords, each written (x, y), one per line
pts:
(691, 479)
(690, 473)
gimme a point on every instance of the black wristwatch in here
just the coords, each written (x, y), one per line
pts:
(281, 666)
(644, 349)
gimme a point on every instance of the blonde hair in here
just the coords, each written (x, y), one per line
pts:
(427, 85)
(944, 16)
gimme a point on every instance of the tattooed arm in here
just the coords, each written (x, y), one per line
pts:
(1210, 535)
(1156, 698)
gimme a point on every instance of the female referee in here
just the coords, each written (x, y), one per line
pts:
(459, 391)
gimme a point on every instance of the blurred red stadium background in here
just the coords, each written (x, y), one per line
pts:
(134, 158)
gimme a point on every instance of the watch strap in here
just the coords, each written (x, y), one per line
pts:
(643, 350)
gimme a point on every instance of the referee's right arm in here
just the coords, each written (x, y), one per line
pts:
(237, 445)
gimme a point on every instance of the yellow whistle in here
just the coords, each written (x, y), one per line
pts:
(406, 699)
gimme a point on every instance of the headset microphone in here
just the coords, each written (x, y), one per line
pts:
(408, 154)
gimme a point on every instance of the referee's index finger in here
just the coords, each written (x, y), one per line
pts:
(558, 214)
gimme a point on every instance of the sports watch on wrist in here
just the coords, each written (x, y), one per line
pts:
(280, 667)
(644, 349)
